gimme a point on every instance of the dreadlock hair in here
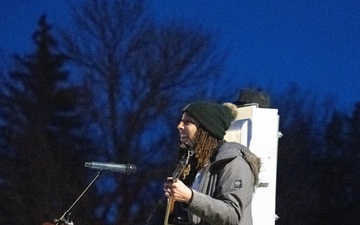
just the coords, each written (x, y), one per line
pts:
(205, 144)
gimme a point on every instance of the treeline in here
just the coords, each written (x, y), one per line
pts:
(110, 88)
(318, 161)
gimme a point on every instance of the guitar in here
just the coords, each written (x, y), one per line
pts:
(181, 171)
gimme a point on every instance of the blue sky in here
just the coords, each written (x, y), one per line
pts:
(315, 44)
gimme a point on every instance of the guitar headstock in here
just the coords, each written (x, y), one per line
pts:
(183, 167)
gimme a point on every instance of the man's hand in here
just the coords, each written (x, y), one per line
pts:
(177, 190)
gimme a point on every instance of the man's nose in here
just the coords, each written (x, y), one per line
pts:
(180, 125)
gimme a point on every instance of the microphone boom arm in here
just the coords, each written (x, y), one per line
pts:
(65, 217)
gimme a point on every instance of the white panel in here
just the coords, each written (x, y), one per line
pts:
(240, 131)
(257, 128)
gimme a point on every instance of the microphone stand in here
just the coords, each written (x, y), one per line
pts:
(64, 220)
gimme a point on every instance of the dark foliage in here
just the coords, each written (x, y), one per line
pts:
(42, 142)
(318, 163)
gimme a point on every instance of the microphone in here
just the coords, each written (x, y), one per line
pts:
(120, 168)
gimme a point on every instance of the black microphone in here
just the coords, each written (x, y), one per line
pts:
(121, 168)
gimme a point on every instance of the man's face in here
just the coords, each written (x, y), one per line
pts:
(187, 129)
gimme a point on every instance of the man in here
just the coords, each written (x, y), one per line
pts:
(223, 175)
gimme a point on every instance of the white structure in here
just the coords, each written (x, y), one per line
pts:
(258, 129)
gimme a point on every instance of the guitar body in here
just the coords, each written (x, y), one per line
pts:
(179, 216)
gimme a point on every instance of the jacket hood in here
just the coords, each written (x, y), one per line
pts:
(230, 150)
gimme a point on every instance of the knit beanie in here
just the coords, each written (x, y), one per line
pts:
(213, 117)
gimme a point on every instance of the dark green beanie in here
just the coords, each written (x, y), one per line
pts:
(213, 117)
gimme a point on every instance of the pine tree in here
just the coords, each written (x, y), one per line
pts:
(337, 185)
(351, 201)
(331, 169)
(42, 142)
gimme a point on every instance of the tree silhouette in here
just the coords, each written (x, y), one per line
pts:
(42, 143)
(337, 183)
(351, 199)
(318, 159)
(332, 166)
(139, 76)
(298, 149)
